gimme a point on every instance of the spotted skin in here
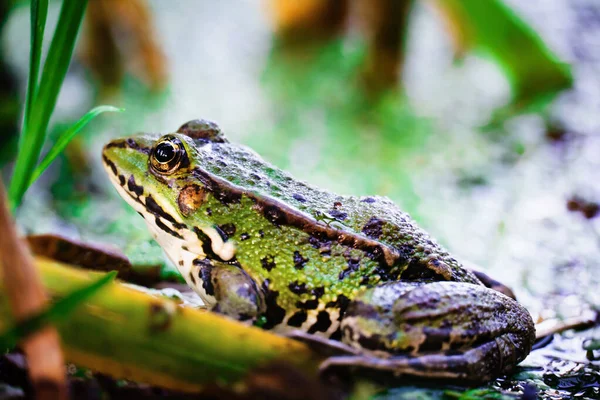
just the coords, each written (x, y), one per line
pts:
(257, 244)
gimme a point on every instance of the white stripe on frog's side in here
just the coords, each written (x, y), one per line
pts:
(225, 250)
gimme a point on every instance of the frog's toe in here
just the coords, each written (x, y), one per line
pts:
(492, 283)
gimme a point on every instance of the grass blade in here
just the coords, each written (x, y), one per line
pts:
(39, 12)
(66, 136)
(536, 73)
(55, 69)
(133, 335)
(55, 313)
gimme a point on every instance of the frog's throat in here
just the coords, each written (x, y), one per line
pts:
(181, 244)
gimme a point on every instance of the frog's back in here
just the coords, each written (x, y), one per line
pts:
(374, 218)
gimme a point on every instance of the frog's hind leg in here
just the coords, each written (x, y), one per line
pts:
(439, 330)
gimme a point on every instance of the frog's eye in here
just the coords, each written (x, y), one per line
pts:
(166, 155)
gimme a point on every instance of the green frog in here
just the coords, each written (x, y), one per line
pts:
(260, 246)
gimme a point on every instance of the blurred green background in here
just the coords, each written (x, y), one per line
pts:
(494, 162)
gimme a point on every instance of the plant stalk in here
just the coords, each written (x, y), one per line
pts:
(129, 334)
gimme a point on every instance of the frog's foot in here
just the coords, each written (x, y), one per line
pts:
(439, 330)
(235, 293)
(492, 283)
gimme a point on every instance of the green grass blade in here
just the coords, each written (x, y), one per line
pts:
(534, 70)
(66, 136)
(55, 69)
(39, 12)
(55, 313)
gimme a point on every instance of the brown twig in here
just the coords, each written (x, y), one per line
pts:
(24, 290)
(302, 22)
(120, 37)
(554, 325)
(461, 34)
(385, 23)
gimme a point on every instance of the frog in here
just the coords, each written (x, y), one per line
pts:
(264, 248)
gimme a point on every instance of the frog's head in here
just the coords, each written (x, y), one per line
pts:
(158, 177)
(147, 169)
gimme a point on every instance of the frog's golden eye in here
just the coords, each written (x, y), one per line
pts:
(166, 155)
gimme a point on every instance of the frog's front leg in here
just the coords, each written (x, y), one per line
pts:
(440, 329)
(233, 291)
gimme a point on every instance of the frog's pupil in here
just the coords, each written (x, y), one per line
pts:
(164, 153)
